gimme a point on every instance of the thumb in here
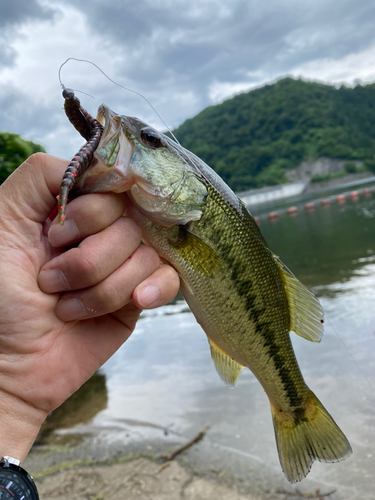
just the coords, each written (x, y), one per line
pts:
(30, 192)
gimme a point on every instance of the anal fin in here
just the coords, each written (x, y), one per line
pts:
(228, 369)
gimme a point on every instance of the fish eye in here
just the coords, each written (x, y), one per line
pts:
(150, 137)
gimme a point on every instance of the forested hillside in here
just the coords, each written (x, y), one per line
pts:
(13, 151)
(253, 138)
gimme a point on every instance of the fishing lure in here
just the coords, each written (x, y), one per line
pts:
(92, 131)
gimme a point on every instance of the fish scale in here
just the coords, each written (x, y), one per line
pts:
(245, 305)
(246, 300)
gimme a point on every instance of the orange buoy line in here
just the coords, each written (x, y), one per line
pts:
(325, 202)
(292, 211)
(273, 215)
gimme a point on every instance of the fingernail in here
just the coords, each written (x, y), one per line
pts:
(52, 281)
(70, 309)
(63, 235)
(148, 295)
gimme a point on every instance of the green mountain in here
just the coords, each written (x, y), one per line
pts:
(252, 139)
(13, 151)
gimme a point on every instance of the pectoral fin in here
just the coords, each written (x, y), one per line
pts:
(196, 252)
(306, 313)
(228, 369)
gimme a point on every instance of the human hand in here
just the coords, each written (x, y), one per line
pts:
(64, 311)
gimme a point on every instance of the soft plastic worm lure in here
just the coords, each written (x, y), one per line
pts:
(92, 131)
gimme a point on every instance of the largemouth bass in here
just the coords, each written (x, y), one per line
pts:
(242, 295)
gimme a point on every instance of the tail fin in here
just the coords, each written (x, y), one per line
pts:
(302, 440)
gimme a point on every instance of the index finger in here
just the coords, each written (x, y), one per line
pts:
(89, 214)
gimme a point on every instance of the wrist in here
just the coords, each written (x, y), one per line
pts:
(19, 426)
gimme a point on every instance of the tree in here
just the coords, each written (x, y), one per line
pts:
(13, 151)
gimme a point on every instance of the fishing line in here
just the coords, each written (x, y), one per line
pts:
(118, 85)
(76, 90)
(351, 355)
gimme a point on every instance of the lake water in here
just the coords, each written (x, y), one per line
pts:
(162, 385)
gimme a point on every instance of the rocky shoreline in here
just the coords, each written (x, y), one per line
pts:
(340, 181)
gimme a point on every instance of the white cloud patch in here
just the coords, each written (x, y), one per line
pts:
(351, 69)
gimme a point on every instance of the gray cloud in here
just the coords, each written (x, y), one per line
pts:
(174, 51)
(16, 12)
(242, 35)
(12, 15)
(21, 115)
(7, 54)
(192, 45)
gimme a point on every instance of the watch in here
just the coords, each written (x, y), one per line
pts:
(15, 482)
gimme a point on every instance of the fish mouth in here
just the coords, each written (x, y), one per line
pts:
(110, 167)
(103, 116)
(106, 117)
(109, 145)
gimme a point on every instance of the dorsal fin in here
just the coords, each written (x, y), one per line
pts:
(306, 313)
(228, 369)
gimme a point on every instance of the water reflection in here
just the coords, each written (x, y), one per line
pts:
(332, 251)
(325, 246)
(80, 408)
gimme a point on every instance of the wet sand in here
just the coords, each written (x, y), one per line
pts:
(146, 476)
(139, 478)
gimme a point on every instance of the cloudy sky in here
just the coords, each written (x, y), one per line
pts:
(183, 55)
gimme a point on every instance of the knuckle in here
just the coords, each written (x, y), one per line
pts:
(111, 296)
(99, 210)
(171, 275)
(148, 256)
(98, 207)
(87, 269)
(36, 161)
(131, 227)
(112, 202)
(37, 158)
